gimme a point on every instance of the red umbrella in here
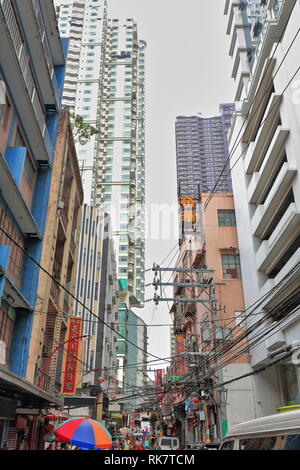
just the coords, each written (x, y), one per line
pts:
(84, 432)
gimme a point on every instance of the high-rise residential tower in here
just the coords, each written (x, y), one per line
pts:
(84, 23)
(119, 177)
(201, 151)
(105, 83)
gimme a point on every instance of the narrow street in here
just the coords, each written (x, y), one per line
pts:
(149, 228)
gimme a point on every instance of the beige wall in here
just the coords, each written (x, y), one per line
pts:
(218, 240)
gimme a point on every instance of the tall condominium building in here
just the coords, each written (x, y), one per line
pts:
(266, 185)
(84, 23)
(105, 84)
(201, 151)
(119, 177)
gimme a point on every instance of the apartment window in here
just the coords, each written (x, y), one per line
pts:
(226, 218)
(231, 266)
(29, 171)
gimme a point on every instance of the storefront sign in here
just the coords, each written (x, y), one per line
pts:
(69, 386)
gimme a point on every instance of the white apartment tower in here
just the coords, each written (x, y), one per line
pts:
(84, 23)
(105, 83)
(264, 46)
(119, 177)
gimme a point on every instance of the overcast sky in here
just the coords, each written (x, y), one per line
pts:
(188, 71)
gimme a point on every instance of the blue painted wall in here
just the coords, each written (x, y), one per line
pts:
(15, 158)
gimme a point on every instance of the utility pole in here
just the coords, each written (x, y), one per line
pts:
(221, 413)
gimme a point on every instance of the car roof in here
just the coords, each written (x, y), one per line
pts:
(278, 422)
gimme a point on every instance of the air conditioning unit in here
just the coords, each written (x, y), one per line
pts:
(61, 205)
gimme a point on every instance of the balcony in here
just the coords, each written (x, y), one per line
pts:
(21, 84)
(55, 292)
(273, 249)
(265, 126)
(264, 214)
(18, 206)
(260, 180)
(33, 24)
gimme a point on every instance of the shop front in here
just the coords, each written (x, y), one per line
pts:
(23, 408)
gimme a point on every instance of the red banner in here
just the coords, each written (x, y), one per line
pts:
(158, 376)
(71, 359)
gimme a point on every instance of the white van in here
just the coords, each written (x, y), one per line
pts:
(275, 432)
(168, 443)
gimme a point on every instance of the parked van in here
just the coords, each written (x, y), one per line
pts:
(168, 443)
(275, 432)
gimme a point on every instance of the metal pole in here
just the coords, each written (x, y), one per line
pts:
(53, 352)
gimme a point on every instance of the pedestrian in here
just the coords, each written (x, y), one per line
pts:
(138, 446)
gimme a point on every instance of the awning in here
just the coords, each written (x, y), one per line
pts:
(53, 413)
(31, 396)
(79, 402)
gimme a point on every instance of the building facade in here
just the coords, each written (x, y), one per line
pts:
(96, 287)
(202, 151)
(266, 185)
(105, 83)
(210, 327)
(32, 67)
(59, 258)
(119, 178)
(84, 23)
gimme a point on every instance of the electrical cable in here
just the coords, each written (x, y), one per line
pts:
(235, 145)
(73, 296)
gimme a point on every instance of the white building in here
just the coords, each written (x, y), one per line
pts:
(84, 23)
(266, 184)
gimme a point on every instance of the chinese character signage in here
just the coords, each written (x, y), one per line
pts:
(69, 386)
(187, 213)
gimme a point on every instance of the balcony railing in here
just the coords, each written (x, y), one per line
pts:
(55, 292)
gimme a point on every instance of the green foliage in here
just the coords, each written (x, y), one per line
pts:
(82, 132)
